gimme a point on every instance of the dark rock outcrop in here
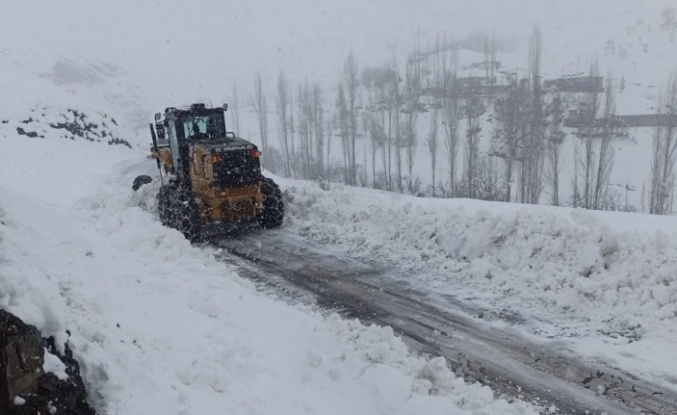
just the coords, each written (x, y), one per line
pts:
(25, 389)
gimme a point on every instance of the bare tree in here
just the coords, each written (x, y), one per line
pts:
(382, 93)
(533, 157)
(318, 121)
(664, 152)
(282, 104)
(352, 89)
(371, 126)
(519, 132)
(451, 111)
(310, 128)
(304, 130)
(393, 143)
(292, 136)
(487, 57)
(343, 124)
(261, 108)
(398, 142)
(510, 130)
(594, 160)
(432, 144)
(411, 111)
(605, 159)
(235, 111)
(486, 184)
(472, 111)
(329, 140)
(410, 141)
(555, 139)
(346, 118)
(493, 49)
(584, 158)
(373, 129)
(392, 102)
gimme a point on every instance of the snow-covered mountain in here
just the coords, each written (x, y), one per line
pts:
(161, 326)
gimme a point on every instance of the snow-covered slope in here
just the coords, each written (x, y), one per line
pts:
(191, 51)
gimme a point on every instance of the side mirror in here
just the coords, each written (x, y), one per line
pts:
(225, 107)
(157, 116)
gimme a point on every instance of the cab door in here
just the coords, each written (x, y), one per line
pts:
(173, 144)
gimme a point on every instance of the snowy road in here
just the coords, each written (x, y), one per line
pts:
(478, 349)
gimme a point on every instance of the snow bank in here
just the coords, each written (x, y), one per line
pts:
(553, 263)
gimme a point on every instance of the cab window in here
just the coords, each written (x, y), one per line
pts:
(195, 127)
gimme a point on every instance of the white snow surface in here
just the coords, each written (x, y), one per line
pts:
(54, 365)
(160, 326)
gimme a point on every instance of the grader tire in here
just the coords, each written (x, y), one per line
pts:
(273, 207)
(188, 217)
(165, 198)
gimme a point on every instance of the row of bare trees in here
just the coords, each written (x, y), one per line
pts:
(521, 138)
(375, 112)
(661, 195)
(594, 157)
(372, 120)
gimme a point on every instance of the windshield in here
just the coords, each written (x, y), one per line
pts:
(204, 127)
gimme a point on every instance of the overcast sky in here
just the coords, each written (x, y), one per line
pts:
(230, 40)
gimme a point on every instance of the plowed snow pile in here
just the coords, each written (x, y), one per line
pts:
(607, 279)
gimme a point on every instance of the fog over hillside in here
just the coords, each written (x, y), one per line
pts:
(207, 43)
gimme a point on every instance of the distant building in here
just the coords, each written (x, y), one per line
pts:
(470, 85)
(510, 77)
(648, 120)
(484, 65)
(576, 84)
(472, 81)
(478, 85)
(577, 119)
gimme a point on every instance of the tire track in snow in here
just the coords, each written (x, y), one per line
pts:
(499, 358)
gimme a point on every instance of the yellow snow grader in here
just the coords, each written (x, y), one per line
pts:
(212, 179)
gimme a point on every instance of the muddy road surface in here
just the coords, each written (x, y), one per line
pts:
(494, 355)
